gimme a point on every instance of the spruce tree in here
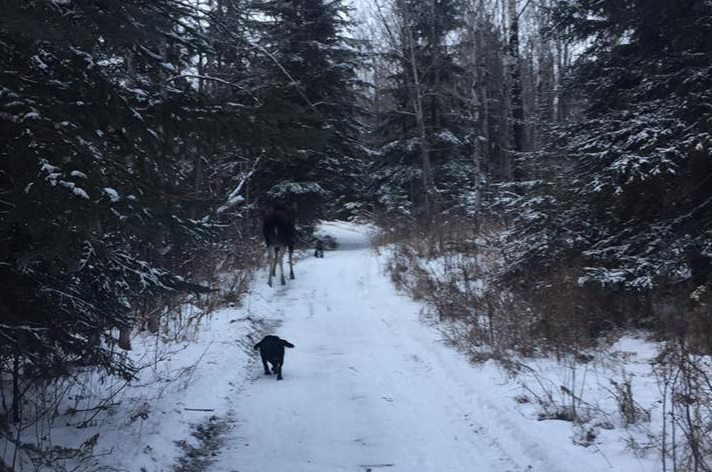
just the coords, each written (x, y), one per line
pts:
(310, 111)
(424, 162)
(633, 198)
(92, 110)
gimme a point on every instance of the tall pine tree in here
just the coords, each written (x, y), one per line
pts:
(628, 194)
(310, 107)
(91, 114)
(424, 162)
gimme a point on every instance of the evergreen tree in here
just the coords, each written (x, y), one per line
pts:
(92, 110)
(309, 115)
(424, 140)
(632, 199)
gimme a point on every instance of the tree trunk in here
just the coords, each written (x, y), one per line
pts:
(515, 85)
(546, 80)
(16, 414)
(125, 339)
(481, 149)
(562, 59)
(418, 110)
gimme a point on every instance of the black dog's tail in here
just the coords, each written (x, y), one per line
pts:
(287, 343)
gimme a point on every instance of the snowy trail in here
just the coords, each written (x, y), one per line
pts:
(371, 387)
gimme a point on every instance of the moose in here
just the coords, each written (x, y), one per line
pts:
(280, 235)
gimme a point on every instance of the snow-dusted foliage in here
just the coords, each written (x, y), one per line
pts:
(88, 158)
(285, 190)
(309, 104)
(625, 191)
(116, 148)
(423, 137)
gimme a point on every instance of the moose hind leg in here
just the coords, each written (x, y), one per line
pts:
(272, 264)
(281, 267)
(291, 263)
(273, 261)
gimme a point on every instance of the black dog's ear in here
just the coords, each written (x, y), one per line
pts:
(258, 345)
(286, 343)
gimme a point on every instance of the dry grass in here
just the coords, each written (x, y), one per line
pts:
(458, 275)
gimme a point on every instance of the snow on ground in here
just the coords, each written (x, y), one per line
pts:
(369, 386)
(195, 381)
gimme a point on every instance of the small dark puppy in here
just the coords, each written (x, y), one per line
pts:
(272, 351)
(319, 251)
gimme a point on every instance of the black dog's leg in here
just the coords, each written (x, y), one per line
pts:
(264, 363)
(279, 371)
(262, 353)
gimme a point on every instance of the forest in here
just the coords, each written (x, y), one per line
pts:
(540, 171)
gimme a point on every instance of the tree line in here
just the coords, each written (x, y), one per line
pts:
(582, 128)
(140, 141)
(553, 162)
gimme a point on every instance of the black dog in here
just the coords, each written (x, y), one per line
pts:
(272, 351)
(319, 251)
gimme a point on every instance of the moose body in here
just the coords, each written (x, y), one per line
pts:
(280, 234)
(272, 352)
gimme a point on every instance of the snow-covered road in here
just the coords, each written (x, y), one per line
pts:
(369, 386)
